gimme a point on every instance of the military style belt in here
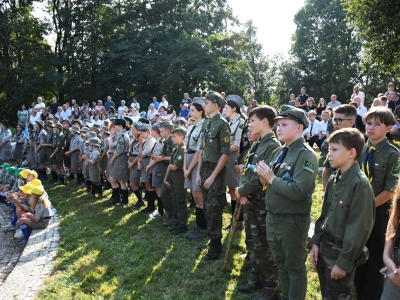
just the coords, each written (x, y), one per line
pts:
(334, 241)
(45, 218)
(257, 197)
(133, 155)
(190, 151)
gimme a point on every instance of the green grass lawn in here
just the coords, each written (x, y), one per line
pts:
(114, 253)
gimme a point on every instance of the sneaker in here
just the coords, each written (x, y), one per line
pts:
(9, 227)
(18, 234)
(155, 214)
(22, 243)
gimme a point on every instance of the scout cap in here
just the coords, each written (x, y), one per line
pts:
(50, 123)
(94, 142)
(91, 135)
(96, 126)
(38, 190)
(75, 129)
(119, 121)
(181, 119)
(59, 126)
(77, 121)
(235, 98)
(215, 97)
(27, 188)
(5, 166)
(18, 172)
(290, 112)
(11, 171)
(67, 120)
(105, 129)
(198, 100)
(142, 114)
(56, 118)
(144, 121)
(84, 129)
(35, 182)
(156, 124)
(128, 120)
(144, 127)
(40, 122)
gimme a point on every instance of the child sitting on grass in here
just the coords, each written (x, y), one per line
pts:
(40, 216)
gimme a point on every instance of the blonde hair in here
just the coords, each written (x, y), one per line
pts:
(39, 199)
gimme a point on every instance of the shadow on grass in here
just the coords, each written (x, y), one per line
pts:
(113, 252)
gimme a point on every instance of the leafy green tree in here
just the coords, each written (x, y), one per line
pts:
(377, 23)
(326, 49)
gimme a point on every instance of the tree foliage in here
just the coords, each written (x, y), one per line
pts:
(377, 23)
(326, 49)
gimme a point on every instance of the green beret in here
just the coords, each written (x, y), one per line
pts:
(216, 98)
(128, 120)
(291, 112)
(120, 122)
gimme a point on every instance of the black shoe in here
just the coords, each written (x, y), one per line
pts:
(248, 288)
(193, 232)
(198, 235)
(179, 230)
(147, 210)
(138, 205)
(173, 228)
(202, 246)
(213, 253)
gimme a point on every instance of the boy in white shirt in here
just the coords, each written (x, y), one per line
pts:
(311, 132)
(323, 132)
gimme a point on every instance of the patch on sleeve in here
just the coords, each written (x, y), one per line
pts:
(241, 126)
(308, 165)
(227, 139)
(396, 171)
(121, 143)
(179, 157)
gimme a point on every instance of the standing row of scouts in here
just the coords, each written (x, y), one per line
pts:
(274, 182)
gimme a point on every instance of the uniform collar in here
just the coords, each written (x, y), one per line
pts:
(380, 146)
(237, 118)
(216, 117)
(348, 175)
(180, 145)
(266, 137)
(297, 143)
(199, 122)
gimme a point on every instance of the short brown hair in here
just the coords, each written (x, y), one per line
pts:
(348, 110)
(382, 114)
(349, 138)
(264, 112)
(179, 131)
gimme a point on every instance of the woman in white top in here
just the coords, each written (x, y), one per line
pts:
(135, 104)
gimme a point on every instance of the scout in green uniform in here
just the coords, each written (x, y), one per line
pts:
(73, 153)
(51, 134)
(120, 172)
(289, 181)
(190, 165)
(236, 124)
(57, 157)
(344, 116)
(175, 180)
(211, 170)
(252, 197)
(66, 124)
(381, 165)
(40, 151)
(347, 217)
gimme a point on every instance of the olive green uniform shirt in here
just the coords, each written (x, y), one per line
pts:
(291, 190)
(348, 214)
(386, 170)
(177, 160)
(216, 139)
(249, 181)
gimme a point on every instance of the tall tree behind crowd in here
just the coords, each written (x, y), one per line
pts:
(326, 50)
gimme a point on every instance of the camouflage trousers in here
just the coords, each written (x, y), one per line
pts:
(214, 200)
(329, 251)
(264, 269)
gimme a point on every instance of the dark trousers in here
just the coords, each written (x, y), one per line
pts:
(214, 200)
(319, 142)
(332, 289)
(368, 280)
(311, 141)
